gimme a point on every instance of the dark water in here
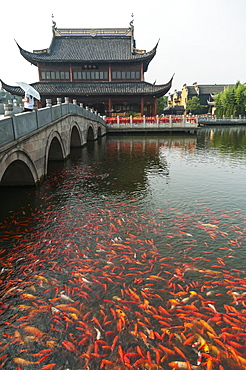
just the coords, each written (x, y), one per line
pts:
(126, 226)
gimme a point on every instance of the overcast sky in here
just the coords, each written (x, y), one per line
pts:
(200, 41)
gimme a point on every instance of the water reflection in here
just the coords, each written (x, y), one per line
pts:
(230, 140)
(183, 166)
(125, 163)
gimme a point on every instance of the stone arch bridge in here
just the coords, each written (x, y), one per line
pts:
(28, 141)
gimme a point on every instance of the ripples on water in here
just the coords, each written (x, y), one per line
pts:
(129, 256)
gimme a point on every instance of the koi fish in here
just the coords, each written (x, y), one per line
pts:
(48, 367)
(34, 331)
(183, 366)
(23, 362)
(69, 346)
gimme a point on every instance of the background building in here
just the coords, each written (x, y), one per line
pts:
(178, 100)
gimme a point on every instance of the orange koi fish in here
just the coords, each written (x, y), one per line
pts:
(178, 351)
(105, 362)
(116, 338)
(68, 308)
(166, 350)
(23, 362)
(34, 331)
(28, 296)
(183, 366)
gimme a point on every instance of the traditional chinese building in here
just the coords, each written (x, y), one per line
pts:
(101, 68)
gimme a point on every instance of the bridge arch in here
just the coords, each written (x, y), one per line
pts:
(99, 132)
(17, 169)
(90, 134)
(55, 149)
(75, 135)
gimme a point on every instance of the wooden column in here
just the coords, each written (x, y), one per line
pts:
(39, 72)
(155, 107)
(109, 105)
(141, 73)
(70, 72)
(109, 72)
(142, 106)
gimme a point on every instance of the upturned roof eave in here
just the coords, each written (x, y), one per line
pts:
(13, 90)
(35, 58)
(157, 91)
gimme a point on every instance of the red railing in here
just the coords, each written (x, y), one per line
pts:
(164, 119)
(191, 119)
(159, 120)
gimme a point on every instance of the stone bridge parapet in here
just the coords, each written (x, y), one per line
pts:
(28, 141)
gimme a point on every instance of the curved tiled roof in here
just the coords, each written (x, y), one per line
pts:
(94, 88)
(212, 89)
(89, 49)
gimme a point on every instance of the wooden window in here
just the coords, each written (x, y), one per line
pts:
(67, 75)
(88, 75)
(125, 75)
(43, 75)
(57, 75)
(62, 75)
(53, 76)
(47, 75)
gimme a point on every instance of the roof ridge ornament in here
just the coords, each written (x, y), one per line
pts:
(131, 23)
(132, 32)
(54, 28)
(93, 32)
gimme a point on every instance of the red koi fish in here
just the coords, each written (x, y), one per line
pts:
(48, 367)
(69, 346)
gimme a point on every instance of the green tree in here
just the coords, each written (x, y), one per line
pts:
(193, 105)
(161, 104)
(219, 105)
(232, 101)
(240, 100)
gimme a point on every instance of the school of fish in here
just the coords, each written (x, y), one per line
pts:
(94, 294)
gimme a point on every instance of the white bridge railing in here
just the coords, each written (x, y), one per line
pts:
(222, 120)
(15, 126)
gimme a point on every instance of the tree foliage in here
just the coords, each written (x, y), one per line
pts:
(232, 101)
(161, 104)
(193, 105)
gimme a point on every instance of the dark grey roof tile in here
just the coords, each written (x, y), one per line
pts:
(94, 88)
(93, 49)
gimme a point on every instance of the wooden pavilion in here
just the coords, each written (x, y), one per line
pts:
(101, 68)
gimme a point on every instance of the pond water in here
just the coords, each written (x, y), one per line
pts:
(131, 255)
